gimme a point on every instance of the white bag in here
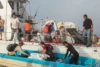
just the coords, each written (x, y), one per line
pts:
(39, 56)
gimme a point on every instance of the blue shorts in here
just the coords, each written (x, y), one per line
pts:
(1, 29)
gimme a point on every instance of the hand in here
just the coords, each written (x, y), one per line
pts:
(82, 30)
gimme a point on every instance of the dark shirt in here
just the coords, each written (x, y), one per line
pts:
(72, 50)
(87, 23)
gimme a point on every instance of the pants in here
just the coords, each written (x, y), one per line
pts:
(88, 38)
(74, 59)
(28, 35)
(14, 35)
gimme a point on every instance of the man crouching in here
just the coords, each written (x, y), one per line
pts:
(13, 48)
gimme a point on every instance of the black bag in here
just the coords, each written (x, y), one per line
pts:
(11, 47)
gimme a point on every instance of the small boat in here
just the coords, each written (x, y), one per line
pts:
(19, 61)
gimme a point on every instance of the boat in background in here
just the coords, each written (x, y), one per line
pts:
(10, 6)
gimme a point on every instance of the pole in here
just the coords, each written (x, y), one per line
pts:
(5, 26)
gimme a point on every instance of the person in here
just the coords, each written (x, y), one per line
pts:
(45, 32)
(13, 48)
(51, 28)
(27, 29)
(14, 27)
(87, 29)
(62, 33)
(1, 27)
(71, 49)
(47, 49)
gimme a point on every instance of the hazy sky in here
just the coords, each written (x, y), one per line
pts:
(67, 10)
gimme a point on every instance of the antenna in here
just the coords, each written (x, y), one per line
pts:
(36, 12)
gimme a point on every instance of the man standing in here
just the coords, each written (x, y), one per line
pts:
(27, 29)
(14, 27)
(87, 29)
(1, 27)
(71, 49)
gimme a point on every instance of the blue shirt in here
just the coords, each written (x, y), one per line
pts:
(51, 29)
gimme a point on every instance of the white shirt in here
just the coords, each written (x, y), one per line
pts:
(14, 23)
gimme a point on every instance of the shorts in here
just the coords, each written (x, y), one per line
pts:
(1, 29)
(11, 53)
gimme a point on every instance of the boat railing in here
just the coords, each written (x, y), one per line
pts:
(37, 37)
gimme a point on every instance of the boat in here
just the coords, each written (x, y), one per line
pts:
(90, 55)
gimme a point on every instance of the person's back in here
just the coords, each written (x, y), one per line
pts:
(72, 49)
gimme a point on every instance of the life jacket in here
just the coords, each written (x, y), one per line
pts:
(46, 29)
(27, 27)
(11, 47)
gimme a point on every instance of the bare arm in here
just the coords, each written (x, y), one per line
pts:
(11, 25)
(18, 22)
(20, 49)
(83, 28)
(18, 25)
(92, 28)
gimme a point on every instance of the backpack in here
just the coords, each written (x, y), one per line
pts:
(11, 47)
(46, 29)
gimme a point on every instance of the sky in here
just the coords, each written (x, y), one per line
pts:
(67, 11)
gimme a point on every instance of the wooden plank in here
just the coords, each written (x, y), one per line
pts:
(15, 63)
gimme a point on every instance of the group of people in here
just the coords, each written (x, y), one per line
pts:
(49, 32)
(47, 49)
(15, 27)
(52, 35)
